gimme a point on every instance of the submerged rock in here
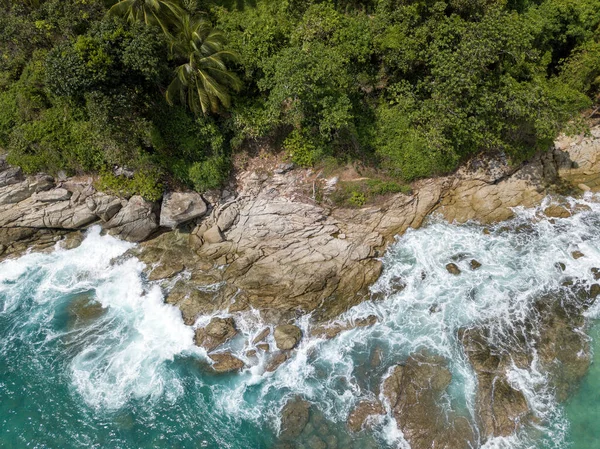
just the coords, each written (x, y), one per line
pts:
(414, 391)
(217, 332)
(501, 410)
(277, 360)
(294, 417)
(287, 336)
(360, 415)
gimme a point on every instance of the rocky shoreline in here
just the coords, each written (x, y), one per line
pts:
(265, 244)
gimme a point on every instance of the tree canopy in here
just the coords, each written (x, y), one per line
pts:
(172, 88)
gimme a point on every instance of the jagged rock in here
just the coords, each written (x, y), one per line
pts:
(134, 222)
(501, 409)
(217, 332)
(362, 412)
(15, 193)
(294, 417)
(561, 266)
(263, 347)
(453, 269)
(104, 206)
(475, 265)
(277, 360)
(180, 207)
(10, 176)
(287, 336)
(596, 273)
(225, 362)
(52, 195)
(584, 151)
(557, 212)
(261, 335)
(413, 391)
(333, 330)
(227, 218)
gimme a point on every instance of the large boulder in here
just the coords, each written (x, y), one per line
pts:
(414, 392)
(180, 207)
(217, 332)
(134, 222)
(287, 336)
(104, 206)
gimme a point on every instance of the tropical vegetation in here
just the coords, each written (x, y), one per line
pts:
(172, 89)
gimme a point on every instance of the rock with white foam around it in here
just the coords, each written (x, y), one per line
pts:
(287, 336)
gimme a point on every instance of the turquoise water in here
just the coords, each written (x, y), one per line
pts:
(92, 357)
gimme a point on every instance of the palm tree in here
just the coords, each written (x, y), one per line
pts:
(203, 81)
(151, 12)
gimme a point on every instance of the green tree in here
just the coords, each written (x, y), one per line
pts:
(152, 12)
(203, 81)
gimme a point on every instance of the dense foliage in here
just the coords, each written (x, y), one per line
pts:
(170, 88)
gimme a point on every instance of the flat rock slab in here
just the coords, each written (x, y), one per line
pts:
(180, 207)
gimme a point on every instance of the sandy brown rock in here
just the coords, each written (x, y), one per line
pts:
(362, 412)
(226, 362)
(276, 360)
(287, 336)
(452, 268)
(557, 211)
(217, 332)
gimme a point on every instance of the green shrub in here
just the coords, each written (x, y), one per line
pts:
(357, 199)
(208, 174)
(302, 150)
(145, 182)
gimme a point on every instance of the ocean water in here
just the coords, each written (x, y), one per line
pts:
(90, 356)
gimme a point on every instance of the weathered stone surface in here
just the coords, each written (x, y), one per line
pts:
(581, 159)
(104, 206)
(225, 362)
(10, 175)
(294, 417)
(134, 222)
(287, 336)
(360, 415)
(413, 391)
(52, 195)
(213, 235)
(217, 332)
(15, 193)
(577, 255)
(180, 207)
(227, 217)
(501, 409)
(262, 335)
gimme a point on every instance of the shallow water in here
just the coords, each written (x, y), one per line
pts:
(92, 357)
